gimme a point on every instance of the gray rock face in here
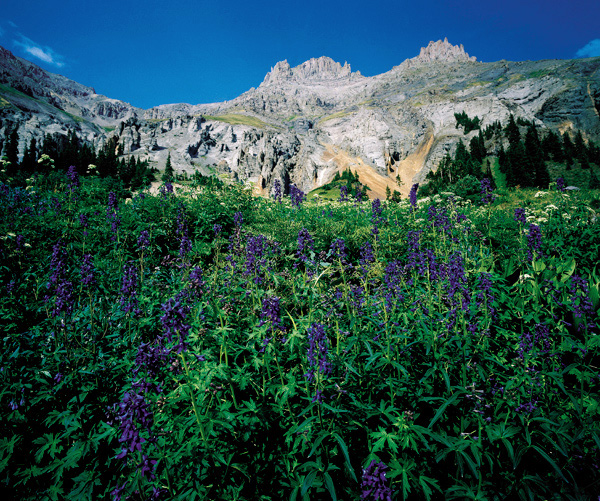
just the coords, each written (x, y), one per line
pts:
(317, 69)
(441, 51)
(304, 123)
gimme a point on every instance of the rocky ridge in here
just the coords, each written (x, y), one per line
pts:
(303, 123)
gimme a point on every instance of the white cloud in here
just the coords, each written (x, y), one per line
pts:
(45, 54)
(592, 49)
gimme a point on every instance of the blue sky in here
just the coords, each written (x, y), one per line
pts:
(158, 52)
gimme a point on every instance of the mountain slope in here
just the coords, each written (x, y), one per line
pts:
(397, 123)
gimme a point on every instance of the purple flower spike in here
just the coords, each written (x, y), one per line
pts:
(277, 193)
(413, 196)
(143, 241)
(520, 215)
(534, 243)
(487, 196)
(374, 484)
(318, 347)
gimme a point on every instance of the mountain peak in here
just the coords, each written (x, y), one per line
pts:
(442, 51)
(315, 69)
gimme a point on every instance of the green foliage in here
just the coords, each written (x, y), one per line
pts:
(467, 368)
(167, 176)
(468, 124)
(348, 178)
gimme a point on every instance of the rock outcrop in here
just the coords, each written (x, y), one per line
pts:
(442, 51)
(303, 123)
(315, 69)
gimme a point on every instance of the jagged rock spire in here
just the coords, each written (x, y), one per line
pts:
(315, 69)
(441, 51)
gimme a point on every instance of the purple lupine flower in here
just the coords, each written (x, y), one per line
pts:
(87, 271)
(83, 221)
(135, 416)
(185, 245)
(151, 358)
(374, 484)
(112, 215)
(393, 283)
(534, 243)
(457, 281)
(73, 176)
(175, 322)
(358, 197)
(343, 193)
(217, 228)
(520, 215)
(238, 219)
(561, 184)
(297, 196)
(128, 299)
(376, 211)
(487, 195)
(318, 347)
(196, 282)
(338, 249)
(19, 242)
(527, 407)
(117, 492)
(440, 218)
(413, 196)
(366, 257)
(581, 303)
(277, 193)
(306, 245)
(318, 398)
(436, 270)
(485, 298)
(416, 258)
(63, 302)
(357, 298)
(256, 251)
(270, 314)
(143, 240)
(57, 263)
(146, 467)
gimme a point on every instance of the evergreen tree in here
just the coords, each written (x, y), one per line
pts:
(168, 174)
(512, 131)
(594, 154)
(464, 164)
(477, 148)
(502, 159)
(552, 147)
(50, 147)
(537, 171)
(594, 183)
(581, 150)
(568, 149)
(29, 162)
(517, 166)
(12, 148)
(86, 156)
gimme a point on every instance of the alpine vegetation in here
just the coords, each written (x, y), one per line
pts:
(204, 343)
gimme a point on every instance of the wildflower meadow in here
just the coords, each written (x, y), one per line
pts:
(204, 343)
